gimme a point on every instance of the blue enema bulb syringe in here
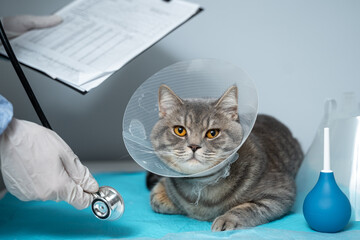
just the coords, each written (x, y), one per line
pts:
(326, 208)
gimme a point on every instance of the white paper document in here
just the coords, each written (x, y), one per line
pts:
(97, 38)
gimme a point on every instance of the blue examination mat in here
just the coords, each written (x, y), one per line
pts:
(51, 220)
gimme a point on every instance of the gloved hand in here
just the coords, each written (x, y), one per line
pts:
(17, 25)
(38, 165)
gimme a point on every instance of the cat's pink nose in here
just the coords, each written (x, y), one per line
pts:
(194, 147)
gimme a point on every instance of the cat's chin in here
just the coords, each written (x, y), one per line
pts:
(192, 166)
(193, 161)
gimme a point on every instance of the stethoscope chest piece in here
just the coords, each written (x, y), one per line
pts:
(107, 204)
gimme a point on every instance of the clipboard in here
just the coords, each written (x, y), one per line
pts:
(32, 51)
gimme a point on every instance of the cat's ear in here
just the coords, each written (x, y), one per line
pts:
(228, 103)
(168, 101)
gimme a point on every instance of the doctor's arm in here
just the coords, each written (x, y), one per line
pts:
(37, 164)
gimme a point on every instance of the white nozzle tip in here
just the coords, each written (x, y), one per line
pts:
(326, 150)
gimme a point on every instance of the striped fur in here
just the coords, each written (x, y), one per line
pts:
(260, 186)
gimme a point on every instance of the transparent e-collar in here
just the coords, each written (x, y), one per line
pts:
(199, 78)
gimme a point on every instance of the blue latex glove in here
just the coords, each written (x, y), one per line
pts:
(6, 113)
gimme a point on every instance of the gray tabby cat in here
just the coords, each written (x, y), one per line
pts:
(193, 135)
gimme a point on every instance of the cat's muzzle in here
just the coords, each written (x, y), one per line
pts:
(107, 204)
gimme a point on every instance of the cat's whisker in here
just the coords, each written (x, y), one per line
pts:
(179, 150)
(180, 153)
(209, 154)
(172, 164)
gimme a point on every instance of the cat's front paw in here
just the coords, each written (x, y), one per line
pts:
(226, 222)
(159, 200)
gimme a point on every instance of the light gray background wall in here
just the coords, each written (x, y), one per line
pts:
(298, 53)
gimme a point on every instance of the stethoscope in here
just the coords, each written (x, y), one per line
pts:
(107, 203)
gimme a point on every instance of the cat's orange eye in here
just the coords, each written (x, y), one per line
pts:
(180, 131)
(212, 133)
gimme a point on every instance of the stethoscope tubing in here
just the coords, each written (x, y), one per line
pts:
(23, 79)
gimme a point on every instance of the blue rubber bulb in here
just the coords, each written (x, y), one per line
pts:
(326, 208)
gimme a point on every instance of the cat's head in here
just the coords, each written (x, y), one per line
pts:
(193, 135)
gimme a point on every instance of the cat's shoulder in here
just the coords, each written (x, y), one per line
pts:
(270, 122)
(266, 119)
